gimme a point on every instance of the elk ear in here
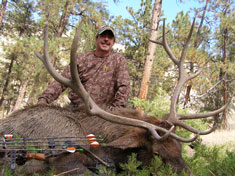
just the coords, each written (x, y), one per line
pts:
(126, 141)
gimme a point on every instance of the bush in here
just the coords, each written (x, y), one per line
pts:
(214, 160)
(159, 106)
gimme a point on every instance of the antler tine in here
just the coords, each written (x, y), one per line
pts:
(183, 139)
(77, 86)
(46, 61)
(183, 54)
(202, 115)
(165, 45)
(167, 134)
(199, 71)
(196, 131)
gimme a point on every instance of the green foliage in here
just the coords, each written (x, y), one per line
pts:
(206, 161)
(158, 168)
(19, 18)
(103, 171)
(131, 168)
(214, 160)
(7, 171)
(25, 67)
(159, 106)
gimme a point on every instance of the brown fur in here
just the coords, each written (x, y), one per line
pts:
(48, 121)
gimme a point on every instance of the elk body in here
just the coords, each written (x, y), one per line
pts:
(47, 121)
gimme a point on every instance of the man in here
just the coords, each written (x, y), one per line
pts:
(103, 72)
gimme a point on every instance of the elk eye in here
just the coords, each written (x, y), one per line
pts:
(156, 154)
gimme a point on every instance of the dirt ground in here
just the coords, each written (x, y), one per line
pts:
(219, 137)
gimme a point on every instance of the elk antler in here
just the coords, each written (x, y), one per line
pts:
(173, 117)
(92, 108)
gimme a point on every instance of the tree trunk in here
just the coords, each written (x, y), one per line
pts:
(34, 89)
(63, 23)
(21, 95)
(2, 10)
(64, 17)
(224, 76)
(13, 57)
(151, 50)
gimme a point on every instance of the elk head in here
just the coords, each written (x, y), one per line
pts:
(174, 119)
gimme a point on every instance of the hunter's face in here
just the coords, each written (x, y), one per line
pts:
(105, 41)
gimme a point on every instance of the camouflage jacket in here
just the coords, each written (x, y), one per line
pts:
(107, 79)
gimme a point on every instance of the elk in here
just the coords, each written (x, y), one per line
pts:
(125, 131)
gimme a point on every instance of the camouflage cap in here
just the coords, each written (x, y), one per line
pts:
(106, 28)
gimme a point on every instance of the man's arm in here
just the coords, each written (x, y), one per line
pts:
(123, 85)
(54, 89)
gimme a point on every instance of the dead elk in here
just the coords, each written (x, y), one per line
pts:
(48, 121)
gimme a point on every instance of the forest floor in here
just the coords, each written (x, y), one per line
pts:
(220, 137)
